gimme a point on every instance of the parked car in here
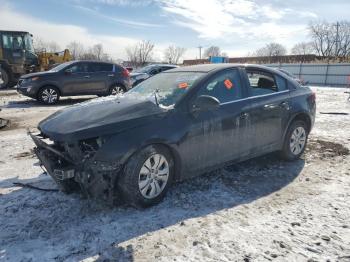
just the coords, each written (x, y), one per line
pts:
(175, 125)
(142, 74)
(299, 80)
(75, 78)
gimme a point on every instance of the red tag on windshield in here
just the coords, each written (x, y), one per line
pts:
(228, 84)
(183, 85)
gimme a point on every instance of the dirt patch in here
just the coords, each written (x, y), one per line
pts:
(27, 154)
(325, 149)
(11, 126)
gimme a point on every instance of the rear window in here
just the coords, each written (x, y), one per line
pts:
(101, 67)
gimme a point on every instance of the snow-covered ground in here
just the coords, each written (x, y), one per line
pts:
(260, 210)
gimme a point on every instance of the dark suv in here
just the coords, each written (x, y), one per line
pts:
(75, 78)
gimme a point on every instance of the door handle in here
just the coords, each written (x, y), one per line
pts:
(111, 75)
(269, 107)
(285, 105)
(86, 76)
(244, 115)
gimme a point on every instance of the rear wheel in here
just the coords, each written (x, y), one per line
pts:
(147, 176)
(295, 140)
(49, 95)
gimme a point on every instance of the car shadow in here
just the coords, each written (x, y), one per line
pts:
(90, 229)
(29, 103)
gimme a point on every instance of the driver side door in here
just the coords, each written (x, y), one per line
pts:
(215, 136)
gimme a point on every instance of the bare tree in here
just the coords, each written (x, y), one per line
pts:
(302, 48)
(140, 53)
(173, 54)
(76, 49)
(97, 50)
(323, 38)
(212, 51)
(271, 49)
(41, 45)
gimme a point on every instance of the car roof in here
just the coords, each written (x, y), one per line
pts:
(166, 65)
(206, 68)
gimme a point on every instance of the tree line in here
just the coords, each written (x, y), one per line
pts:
(326, 40)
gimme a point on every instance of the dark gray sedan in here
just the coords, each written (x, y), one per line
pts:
(75, 78)
(173, 126)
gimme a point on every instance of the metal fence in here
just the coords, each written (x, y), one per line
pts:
(319, 74)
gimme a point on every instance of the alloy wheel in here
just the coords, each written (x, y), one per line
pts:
(154, 175)
(297, 140)
(49, 95)
(117, 90)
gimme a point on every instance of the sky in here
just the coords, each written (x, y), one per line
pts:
(238, 27)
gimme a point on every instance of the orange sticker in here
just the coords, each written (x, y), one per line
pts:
(183, 85)
(228, 84)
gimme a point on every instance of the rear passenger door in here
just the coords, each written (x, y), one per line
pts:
(101, 75)
(269, 108)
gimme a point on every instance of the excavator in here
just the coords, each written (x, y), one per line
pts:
(18, 57)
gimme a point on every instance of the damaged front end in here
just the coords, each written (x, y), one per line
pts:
(73, 167)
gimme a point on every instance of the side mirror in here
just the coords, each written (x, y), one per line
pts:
(205, 103)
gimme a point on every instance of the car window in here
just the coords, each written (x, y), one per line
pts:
(281, 83)
(155, 71)
(12, 42)
(79, 68)
(164, 68)
(261, 82)
(225, 86)
(100, 67)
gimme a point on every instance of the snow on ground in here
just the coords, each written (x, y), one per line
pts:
(260, 210)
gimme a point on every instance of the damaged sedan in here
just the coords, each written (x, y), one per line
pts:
(173, 126)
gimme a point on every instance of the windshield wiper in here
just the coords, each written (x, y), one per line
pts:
(156, 96)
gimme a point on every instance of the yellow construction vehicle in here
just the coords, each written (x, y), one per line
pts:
(17, 57)
(48, 60)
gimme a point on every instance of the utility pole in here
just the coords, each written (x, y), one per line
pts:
(337, 40)
(200, 51)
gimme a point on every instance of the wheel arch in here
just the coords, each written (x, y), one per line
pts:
(303, 116)
(48, 85)
(173, 152)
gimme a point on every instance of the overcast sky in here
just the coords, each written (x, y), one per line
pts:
(237, 26)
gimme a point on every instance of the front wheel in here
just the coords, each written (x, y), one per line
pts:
(49, 95)
(147, 176)
(116, 90)
(5, 78)
(295, 140)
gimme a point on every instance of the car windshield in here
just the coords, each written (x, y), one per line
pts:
(60, 67)
(167, 87)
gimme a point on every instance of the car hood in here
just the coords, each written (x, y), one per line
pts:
(99, 117)
(46, 73)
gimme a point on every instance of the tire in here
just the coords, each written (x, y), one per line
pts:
(5, 77)
(49, 95)
(138, 183)
(295, 140)
(116, 90)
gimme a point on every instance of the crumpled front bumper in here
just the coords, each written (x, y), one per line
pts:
(94, 179)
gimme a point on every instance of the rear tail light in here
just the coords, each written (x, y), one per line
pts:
(125, 73)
